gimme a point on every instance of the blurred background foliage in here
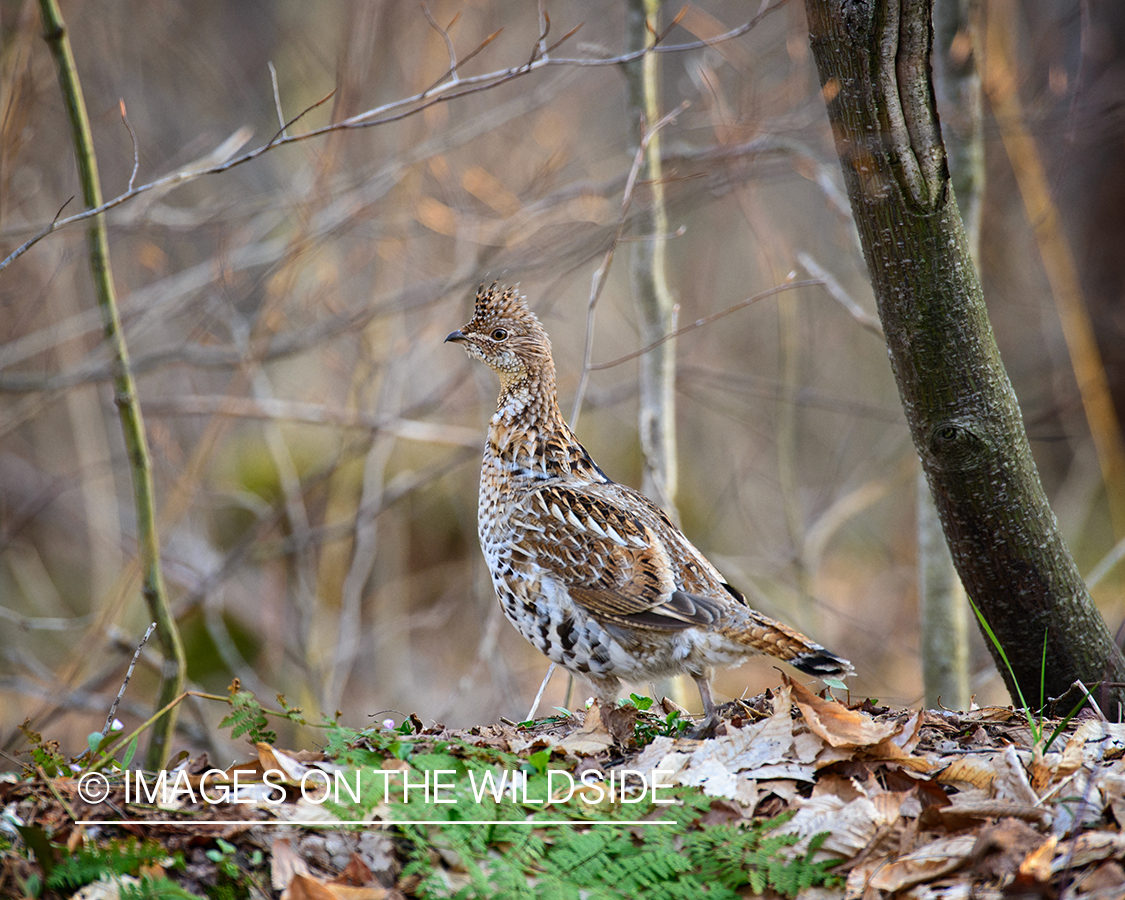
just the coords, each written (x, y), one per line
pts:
(316, 445)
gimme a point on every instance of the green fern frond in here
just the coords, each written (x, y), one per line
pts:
(154, 889)
(247, 717)
(90, 864)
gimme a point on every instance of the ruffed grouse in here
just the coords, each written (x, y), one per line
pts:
(592, 572)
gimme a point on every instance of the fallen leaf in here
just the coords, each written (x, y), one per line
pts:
(974, 771)
(928, 862)
(1106, 877)
(1002, 849)
(619, 722)
(591, 739)
(1089, 847)
(850, 825)
(306, 887)
(1036, 866)
(285, 863)
(838, 725)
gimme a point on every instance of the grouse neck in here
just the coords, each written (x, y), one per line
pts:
(528, 433)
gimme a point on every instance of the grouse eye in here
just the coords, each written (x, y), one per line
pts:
(499, 334)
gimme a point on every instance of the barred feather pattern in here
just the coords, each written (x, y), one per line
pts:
(590, 571)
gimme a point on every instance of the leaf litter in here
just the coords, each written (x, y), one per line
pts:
(918, 804)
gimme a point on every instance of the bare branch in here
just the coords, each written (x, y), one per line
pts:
(274, 409)
(707, 320)
(283, 132)
(836, 292)
(443, 91)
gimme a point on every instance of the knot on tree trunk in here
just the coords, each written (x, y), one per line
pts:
(956, 445)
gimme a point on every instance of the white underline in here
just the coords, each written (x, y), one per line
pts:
(319, 824)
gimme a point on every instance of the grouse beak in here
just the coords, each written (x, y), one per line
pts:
(454, 336)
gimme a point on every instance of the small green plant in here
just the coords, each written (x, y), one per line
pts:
(99, 744)
(231, 870)
(45, 754)
(225, 858)
(1034, 724)
(149, 888)
(649, 726)
(537, 762)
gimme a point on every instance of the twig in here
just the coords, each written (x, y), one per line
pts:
(124, 684)
(44, 623)
(1107, 563)
(539, 694)
(280, 136)
(276, 99)
(161, 714)
(544, 27)
(539, 49)
(136, 148)
(706, 320)
(50, 783)
(836, 292)
(598, 281)
(35, 239)
(641, 238)
(1090, 699)
(452, 73)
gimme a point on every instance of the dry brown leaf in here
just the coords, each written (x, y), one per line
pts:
(1002, 849)
(910, 733)
(306, 887)
(831, 784)
(1011, 779)
(899, 747)
(1106, 877)
(1113, 789)
(974, 771)
(838, 725)
(276, 760)
(924, 864)
(619, 722)
(1084, 747)
(592, 738)
(284, 864)
(850, 825)
(1036, 866)
(250, 770)
(1088, 847)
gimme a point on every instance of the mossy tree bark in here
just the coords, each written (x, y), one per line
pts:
(873, 60)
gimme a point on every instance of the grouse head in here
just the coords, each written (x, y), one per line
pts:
(506, 335)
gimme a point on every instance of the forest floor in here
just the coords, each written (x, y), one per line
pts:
(794, 795)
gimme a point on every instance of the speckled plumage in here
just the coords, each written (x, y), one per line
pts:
(591, 572)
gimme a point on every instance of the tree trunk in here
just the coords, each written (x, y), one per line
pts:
(873, 59)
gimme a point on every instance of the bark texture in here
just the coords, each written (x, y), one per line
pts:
(873, 60)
